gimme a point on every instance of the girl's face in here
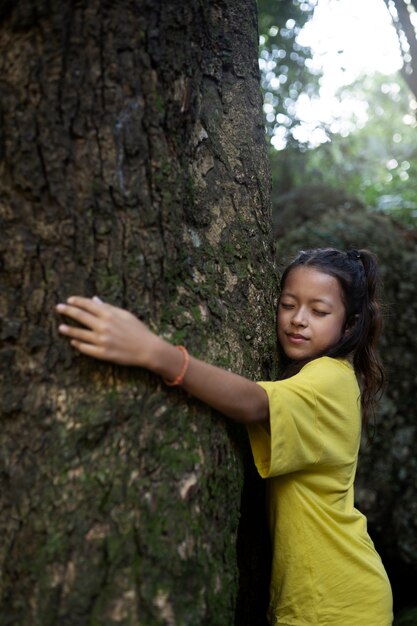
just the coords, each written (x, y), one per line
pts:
(311, 313)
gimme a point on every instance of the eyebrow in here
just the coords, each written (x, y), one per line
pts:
(321, 300)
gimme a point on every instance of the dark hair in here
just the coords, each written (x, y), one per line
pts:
(357, 273)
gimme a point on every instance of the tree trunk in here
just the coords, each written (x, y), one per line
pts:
(132, 166)
(407, 39)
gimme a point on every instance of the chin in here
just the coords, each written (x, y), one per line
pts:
(295, 355)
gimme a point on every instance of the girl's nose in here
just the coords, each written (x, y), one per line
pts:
(299, 319)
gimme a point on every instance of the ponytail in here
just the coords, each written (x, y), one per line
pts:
(365, 358)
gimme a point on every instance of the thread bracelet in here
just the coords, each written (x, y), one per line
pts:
(180, 378)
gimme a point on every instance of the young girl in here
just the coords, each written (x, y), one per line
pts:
(304, 429)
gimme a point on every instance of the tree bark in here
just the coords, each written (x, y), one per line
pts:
(132, 166)
(407, 40)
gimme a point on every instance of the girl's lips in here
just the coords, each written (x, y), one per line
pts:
(295, 338)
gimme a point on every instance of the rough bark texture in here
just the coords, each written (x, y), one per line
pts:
(132, 166)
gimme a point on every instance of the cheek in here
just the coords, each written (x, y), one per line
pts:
(338, 329)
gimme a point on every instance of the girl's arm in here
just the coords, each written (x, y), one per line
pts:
(113, 334)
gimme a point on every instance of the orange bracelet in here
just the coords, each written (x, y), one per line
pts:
(179, 379)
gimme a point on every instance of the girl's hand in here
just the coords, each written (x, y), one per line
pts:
(110, 333)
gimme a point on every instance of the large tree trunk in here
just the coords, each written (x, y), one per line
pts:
(132, 166)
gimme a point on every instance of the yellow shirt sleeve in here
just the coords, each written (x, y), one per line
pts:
(314, 417)
(294, 442)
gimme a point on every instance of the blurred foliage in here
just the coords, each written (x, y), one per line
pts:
(377, 162)
(285, 65)
(374, 160)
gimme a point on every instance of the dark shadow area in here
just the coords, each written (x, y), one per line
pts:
(403, 579)
(253, 549)
(402, 575)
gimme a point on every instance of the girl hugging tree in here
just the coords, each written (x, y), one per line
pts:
(304, 428)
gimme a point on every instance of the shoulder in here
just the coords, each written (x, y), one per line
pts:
(328, 366)
(328, 375)
(323, 376)
(331, 378)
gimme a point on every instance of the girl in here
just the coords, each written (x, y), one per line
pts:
(304, 429)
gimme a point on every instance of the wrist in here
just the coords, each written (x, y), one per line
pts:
(179, 379)
(169, 361)
(152, 357)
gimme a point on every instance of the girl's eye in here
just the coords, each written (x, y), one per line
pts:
(320, 313)
(286, 305)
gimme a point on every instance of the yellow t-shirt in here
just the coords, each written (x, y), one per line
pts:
(325, 569)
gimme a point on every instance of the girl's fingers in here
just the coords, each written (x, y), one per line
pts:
(89, 349)
(104, 332)
(80, 334)
(82, 310)
(92, 305)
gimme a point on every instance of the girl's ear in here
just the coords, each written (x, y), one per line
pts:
(350, 324)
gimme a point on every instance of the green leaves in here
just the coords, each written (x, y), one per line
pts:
(285, 73)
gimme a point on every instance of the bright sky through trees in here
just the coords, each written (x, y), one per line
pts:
(349, 38)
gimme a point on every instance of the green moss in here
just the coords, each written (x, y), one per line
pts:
(196, 313)
(159, 103)
(190, 190)
(108, 282)
(178, 336)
